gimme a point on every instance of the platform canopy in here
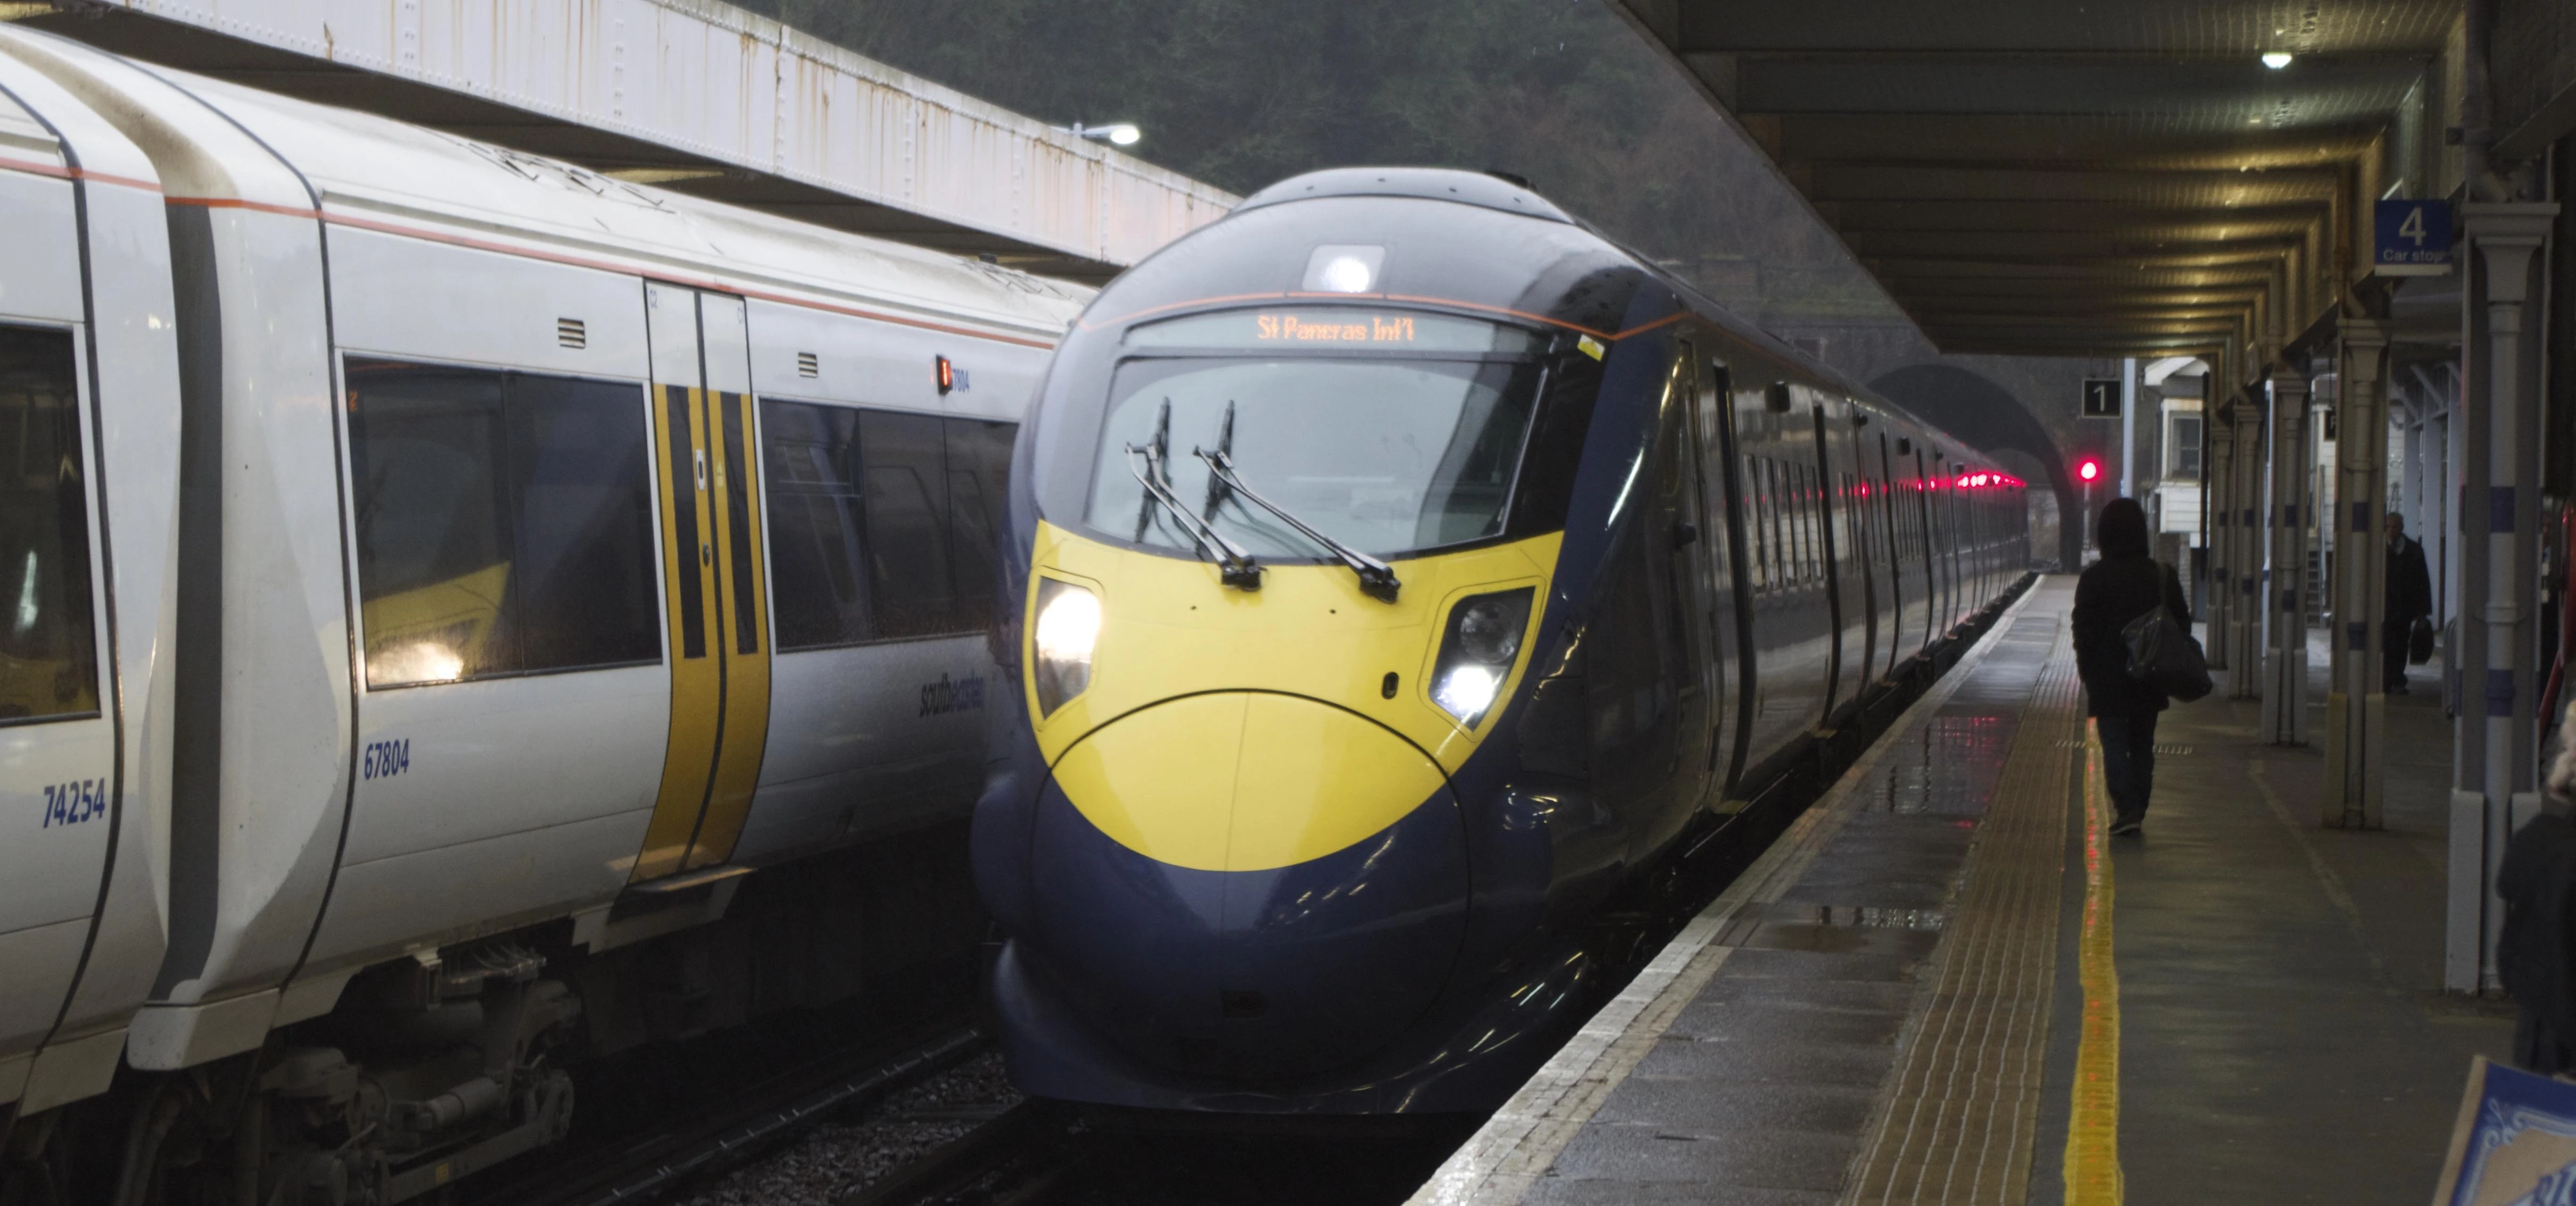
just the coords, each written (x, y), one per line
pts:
(2121, 177)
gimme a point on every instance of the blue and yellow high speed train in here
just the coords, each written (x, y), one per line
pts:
(1402, 569)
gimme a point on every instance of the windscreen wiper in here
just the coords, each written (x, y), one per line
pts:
(1234, 566)
(1377, 580)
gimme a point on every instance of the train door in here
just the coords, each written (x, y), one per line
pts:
(1923, 547)
(715, 584)
(1735, 520)
(1710, 406)
(1891, 547)
(1681, 529)
(57, 738)
(1832, 558)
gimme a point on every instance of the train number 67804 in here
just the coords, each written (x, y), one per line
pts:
(385, 759)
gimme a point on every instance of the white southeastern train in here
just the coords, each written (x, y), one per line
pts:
(433, 581)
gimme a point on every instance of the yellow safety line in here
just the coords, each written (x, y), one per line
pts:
(2092, 1168)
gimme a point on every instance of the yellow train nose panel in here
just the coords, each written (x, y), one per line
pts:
(1244, 781)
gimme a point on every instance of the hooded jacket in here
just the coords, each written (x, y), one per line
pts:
(2125, 584)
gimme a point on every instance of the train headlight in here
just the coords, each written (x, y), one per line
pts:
(1476, 654)
(1067, 628)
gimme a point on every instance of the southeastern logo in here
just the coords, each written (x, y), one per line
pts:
(946, 696)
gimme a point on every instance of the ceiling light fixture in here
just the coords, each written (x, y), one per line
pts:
(1122, 133)
(2276, 59)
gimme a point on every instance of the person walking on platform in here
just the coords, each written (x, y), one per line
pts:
(2125, 584)
(2409, 597)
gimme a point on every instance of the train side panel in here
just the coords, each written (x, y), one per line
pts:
(58, 743)
(127, 446)
(80, 716)
(881, 676)
(262, 706)
(513, 693)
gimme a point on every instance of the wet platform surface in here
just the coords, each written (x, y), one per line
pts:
(1900, 1001)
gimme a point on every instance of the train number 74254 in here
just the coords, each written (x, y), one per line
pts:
(73, 803)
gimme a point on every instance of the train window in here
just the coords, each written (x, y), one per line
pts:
(979, 468)
(1814, 521)
(882, 524)
(48, 650)
(1844, 520)
(1555, 444)
(1793, 550)
(1784, 558)
(1774, 555)
(1757, 484)
(904, 474)
(1805, 521)
(504, 522)
(817, 520)
(1819, 515)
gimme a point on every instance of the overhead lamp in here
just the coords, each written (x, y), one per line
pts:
(2276, 59)
(1122, 133)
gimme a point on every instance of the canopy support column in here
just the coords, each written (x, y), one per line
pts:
(2495, 743)
(2217, 509)
(2285, 657)
(2245, 617)
(2357, 700)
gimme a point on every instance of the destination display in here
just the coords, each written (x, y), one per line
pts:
(1334, 326)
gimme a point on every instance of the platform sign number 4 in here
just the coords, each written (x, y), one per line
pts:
(2413, 238)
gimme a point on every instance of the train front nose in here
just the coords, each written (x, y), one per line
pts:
(1249, 886)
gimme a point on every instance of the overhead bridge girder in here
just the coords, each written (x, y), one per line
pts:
(695, 96)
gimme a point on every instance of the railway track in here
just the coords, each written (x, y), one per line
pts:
(1020, 1156)
(732, 1125)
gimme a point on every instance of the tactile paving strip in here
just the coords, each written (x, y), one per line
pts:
(1964, 1103)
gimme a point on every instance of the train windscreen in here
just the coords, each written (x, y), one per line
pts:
(1389, 432)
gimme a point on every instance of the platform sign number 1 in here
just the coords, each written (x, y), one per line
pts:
(2101, 397)
(2413, 238)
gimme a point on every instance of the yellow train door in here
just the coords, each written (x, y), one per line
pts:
(715, 582)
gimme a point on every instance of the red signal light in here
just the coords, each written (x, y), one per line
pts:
(2088, 469)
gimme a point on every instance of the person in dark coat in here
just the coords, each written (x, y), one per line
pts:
(2409, 596)
(2536, 954)
(2125, 584)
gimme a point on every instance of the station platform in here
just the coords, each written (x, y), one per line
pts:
(1945, 983)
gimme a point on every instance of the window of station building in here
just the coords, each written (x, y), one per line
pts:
(883, 525)
(48, 649)
(2182, 445)
(504, 522)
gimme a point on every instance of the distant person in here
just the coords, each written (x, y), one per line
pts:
(2125, 584)
(2409, 598)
